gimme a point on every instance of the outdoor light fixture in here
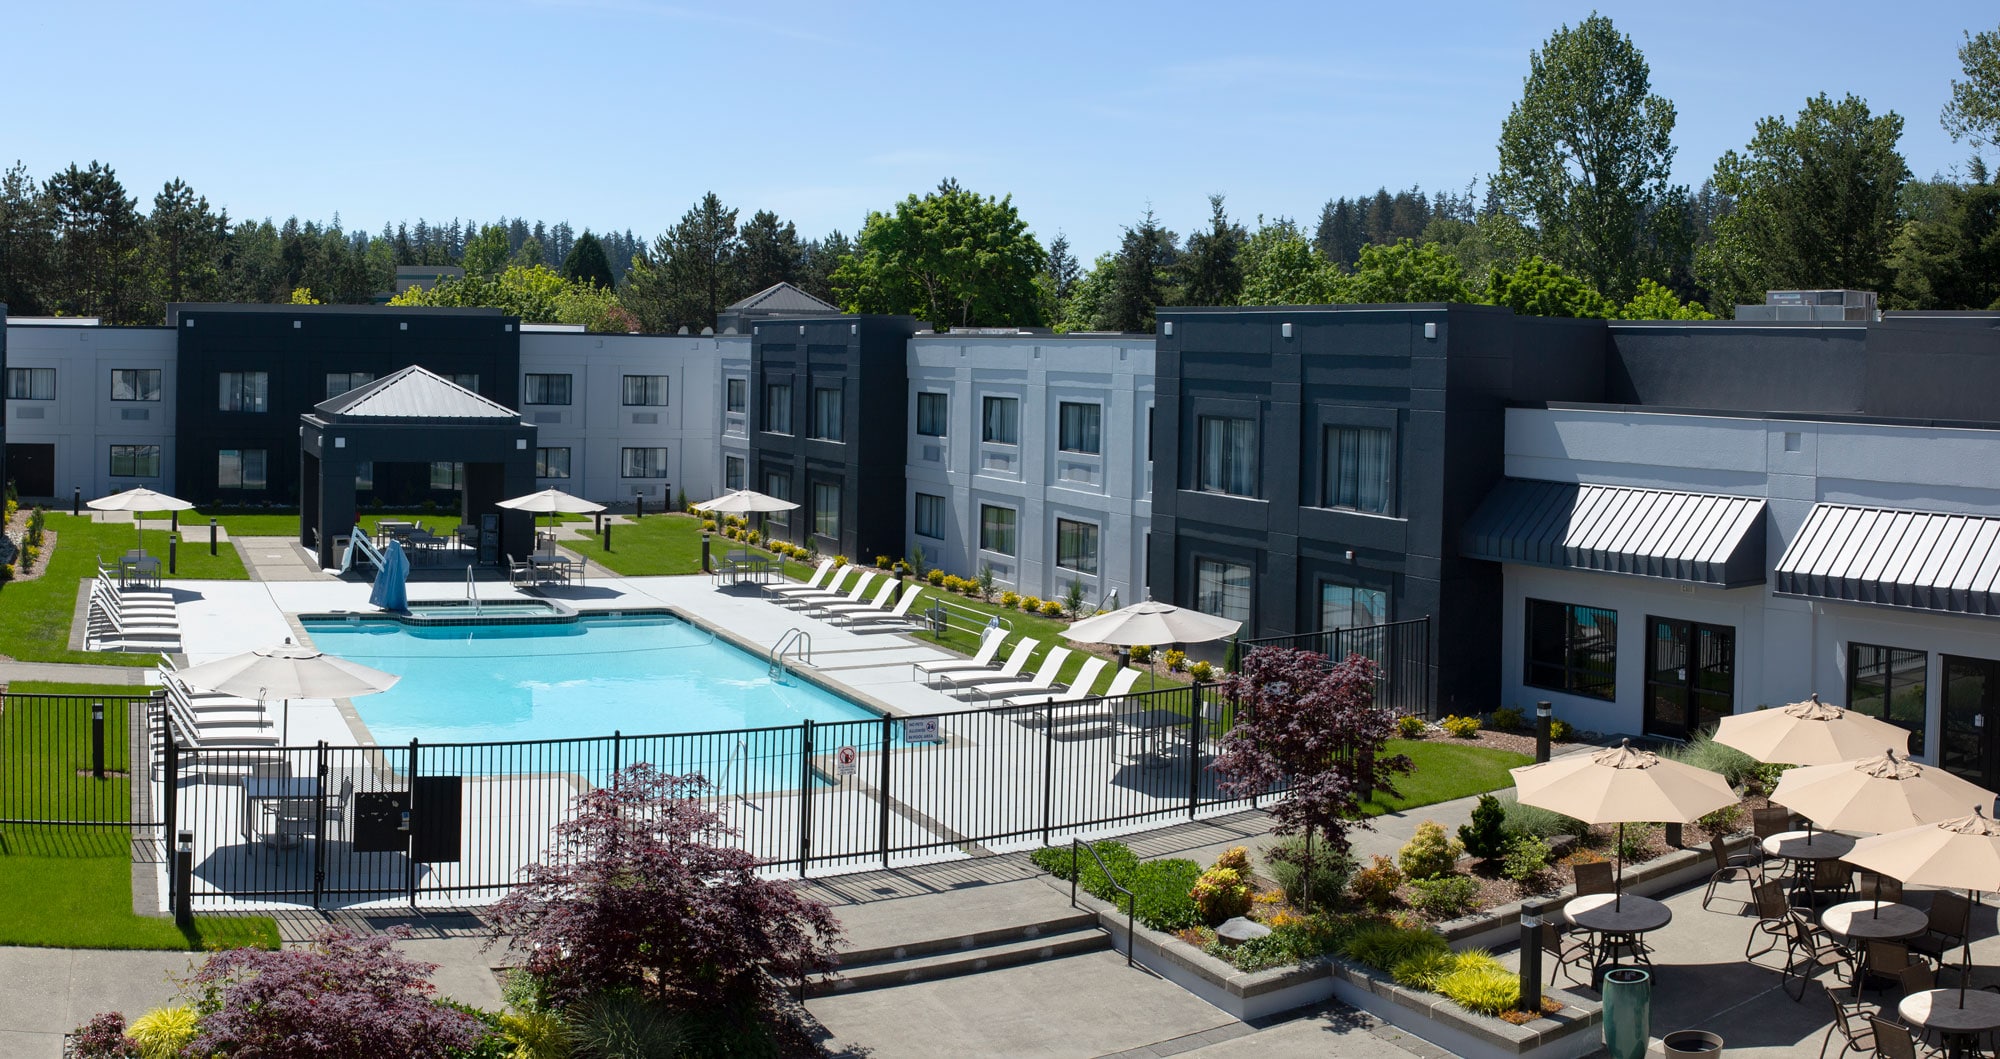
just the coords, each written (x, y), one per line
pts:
(1285, 329)
(184, 841)
(1167, 329)
(1430, 329)
(1542, 709)
(521, 444)
(339, 443)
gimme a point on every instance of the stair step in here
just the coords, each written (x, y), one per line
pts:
(909, 950)
(962, 961)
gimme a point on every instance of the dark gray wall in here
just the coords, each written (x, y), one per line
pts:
(499, 456)
(3, 401)
(1772, 367)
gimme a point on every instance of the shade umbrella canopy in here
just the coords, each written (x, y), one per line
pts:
(551, 501)
(1962, 853)
(1151, 622)
(138, 501)
(745, 502)
(1809, 733)
(391, 591)
(288, 671)
(1879, 794)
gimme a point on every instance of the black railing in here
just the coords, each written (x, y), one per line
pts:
(1401, 651)
(77, 760)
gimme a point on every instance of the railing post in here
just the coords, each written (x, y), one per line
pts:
(617, 755)
(170, 783)
(319, 826)
(1194, 751)
(1048, 767)
(888, 738)
(410, 833)
(805, 794)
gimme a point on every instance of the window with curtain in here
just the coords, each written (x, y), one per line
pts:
(544, 389)
(552, 463)
(736, 395)
(1573, 649)
(1076, 546)
(778, 407)
(1348, 607)
(734, 475)
(645, 389)
(339, 382)
(1222, 589)
(31, 384)
(826, 509)
(1227, 462)
(643, 463)
(446, 474)
(1001, 420)
(996, 529)
(933, 414)
(135, 461)
(240, 469)
(826, 414)
(140, 384)
(1080, 425)
(1359, 467)
(778, 484)
(241, 391)
(930, 516)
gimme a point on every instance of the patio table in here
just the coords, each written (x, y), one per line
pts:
(1621, 923)
(1801, 848)
(557, 565)
(296, 792)
(138, 568)
(1154, 726)
(1938, 1009)
(1861, 920)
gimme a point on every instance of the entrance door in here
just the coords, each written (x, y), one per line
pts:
(33, 469)
(1690, 677)
(1971, 706)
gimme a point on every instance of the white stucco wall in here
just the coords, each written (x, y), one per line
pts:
(83, 422)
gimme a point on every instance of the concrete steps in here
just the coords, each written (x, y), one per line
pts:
(946, 956)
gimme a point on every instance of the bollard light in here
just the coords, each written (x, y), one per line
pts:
(1544, 714)
(1531, 960)
(97, 740)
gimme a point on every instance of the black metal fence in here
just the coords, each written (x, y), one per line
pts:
(77, 760)
(1401, 651)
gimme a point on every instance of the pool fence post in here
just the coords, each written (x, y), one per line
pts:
(1194, 751)
(170, 779)
(1048, 767)
(319, 825)
(888, 736)
(805, 793)
(617, 758)
(410, 833)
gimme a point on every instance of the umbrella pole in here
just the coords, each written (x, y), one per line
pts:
(285, 723)
(1965, 961)
(1618, 885)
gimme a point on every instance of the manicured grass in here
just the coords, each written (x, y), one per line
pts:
(285, 522)
(655, 546)
(45, 748)
(86, 903)
(1447, 769)
(35, 615)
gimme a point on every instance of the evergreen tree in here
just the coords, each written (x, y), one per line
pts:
(27, 243)
(1141, 278)
(1059, 277)
(99, 240)
(690, 274)
(1211, 271)
(586, 262)
(770, 252)
(820, 258)
(184, 243)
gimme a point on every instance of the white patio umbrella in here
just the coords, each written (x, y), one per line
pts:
(745, 502)
(1151, 622)
(288, 671)
(1809, 733)
(1621, 786)
(138, 502)
(1877, 794)
(551, 502)
(1962, 853)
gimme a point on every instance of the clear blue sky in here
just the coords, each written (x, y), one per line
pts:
(619, 113)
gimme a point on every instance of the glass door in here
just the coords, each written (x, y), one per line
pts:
(1690, 677)
(1971, 707)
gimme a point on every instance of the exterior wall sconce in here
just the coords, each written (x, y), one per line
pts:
(1167, 329)
(1285, 329)
(1430, 329)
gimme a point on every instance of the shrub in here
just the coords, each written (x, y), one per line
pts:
(1200, 670)
(1527, 857)
(103, 1037)
(753, 536)
(1560, 730)
(1376, 885)
(1175, 659)
(621, 1023)
(1161, 887)
(881, 562)
(1444, 897)
(1142, 653)
(1383, 947)
(1010, 599)
(1031, 604)
(163, 1032)
(839, 561)
(1723, 821)
(1539, 822)
(1460, 727)
(1072, 599)
(537, 1035)
(1411, 726)
(1486, 836)
(1235, 858)
(1481, 984)
(1323, 885)
(6, 572)
(1221, 893)
(1632, 845)
(1293, 940)
(1052, 608)
(935, 577)
(1703, 752)
(984, 582)
(1421, 970)
(1507, 719)
(1428, 854)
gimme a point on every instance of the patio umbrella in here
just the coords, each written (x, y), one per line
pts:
(289, 672)
(746, 502)
(391, 591)
(1808, 733)
(138, 502)
(1151, 622)
(1962, 853)
(550, 502)
(1620, 786)
(1876, 794)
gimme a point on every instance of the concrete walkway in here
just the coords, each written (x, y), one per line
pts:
(74, 673)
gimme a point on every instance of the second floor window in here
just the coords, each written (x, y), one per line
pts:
(544, 389)
(1359, 464)
(933, 414)
(1227, 462)
(31, 384)
(139, 384)
(241, 391)
(1001, 421)
(826, 414)
(736, 395)
(778, 407)
(645, 389)
(1080, 426)
(643, 463)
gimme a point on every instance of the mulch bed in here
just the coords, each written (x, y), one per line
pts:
(16, 531)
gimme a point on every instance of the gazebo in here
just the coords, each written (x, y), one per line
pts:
(415, 415)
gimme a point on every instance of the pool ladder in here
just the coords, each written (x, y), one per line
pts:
(471, 592)
(796, 641)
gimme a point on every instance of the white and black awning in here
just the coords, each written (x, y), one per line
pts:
(1700, 538)
(1923, 560)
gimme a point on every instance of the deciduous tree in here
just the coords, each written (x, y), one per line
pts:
(1540, 287)
(1974, 110)
(1281, 268)
(1404, 272)
(955, 258)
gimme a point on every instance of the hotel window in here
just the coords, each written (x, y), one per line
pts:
(826, 509)
(544, 389)
(1573, 649)
(1359, 464)
(736, 395)
(735, 473)
(933, 414)
(364, 475)
(141, 384)
(446, 475)
(1080, 425)
(239, 469)
(467, 379)
(552, 463)
(778, 407)
(930, 516)
(1222, 589)
(31, 384)
(826, 414)
(778, 484)
(1888, 683)
(1076, 546)
(135, 461)
(643, 463)
(241, 391)
(1228, 457)
(645, 389)
(339, 382)
(1347, 607)
(1001, 423)
(996, 529)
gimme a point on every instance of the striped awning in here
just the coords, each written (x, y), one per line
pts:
(1924, 560)
(1695, 537)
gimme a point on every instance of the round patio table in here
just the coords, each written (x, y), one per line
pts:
(1809, 845)
(1938, 1009)
(1619, 923)
(1861, 920)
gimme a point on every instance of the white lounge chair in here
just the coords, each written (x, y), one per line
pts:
(1044, 679)
(1078, 688)
(810, 584)
(1121, 685)
(854, 592)
(837, 611)
(831, 593)
(899, 615)
(989, 649)
(1017, 660)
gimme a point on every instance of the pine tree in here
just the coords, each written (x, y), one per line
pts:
(184, 243)
(99, 240)
(586, 262)
(770, 252)
(1142, 277)
(27, 243)
(1211, 271)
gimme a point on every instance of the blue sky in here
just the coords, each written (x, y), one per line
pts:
(619, 113)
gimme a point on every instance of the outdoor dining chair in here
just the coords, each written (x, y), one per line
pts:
(1950, 917)
(1773, 913)
(1809, 949)
(1729, 867)
(1764, 823)
(1893, 1040)
(1884, 960)
(1570, 951)
(1595, 878)
(1852, 1019)
(1875, 886)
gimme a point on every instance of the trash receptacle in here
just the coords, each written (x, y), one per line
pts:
(1691, 1042)
(1628, 1012)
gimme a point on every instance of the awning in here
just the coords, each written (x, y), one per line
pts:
(1695, 537)
(1924, 560)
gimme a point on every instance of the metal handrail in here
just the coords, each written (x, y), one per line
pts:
(796, 637)
(471, 592)
(976, 620)
(1131, 899)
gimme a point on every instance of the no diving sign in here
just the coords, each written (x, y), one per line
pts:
(844, 761)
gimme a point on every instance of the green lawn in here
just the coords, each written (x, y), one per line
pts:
(285, 523)
(71, 887)
(1447, 769)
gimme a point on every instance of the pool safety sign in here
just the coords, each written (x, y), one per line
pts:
(844, 761)
(920, 730)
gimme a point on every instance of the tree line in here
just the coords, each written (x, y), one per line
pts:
(1579, 218)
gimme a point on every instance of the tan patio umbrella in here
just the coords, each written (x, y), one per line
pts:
(1876, 794)
(1808, 733)
(1621, 786)
(1961, 853)
(550, 501)
(138, 502)
(746, 502)
(1151, 622)
(289, 672)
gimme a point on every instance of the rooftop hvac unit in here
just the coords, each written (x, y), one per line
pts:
(1821, 305)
